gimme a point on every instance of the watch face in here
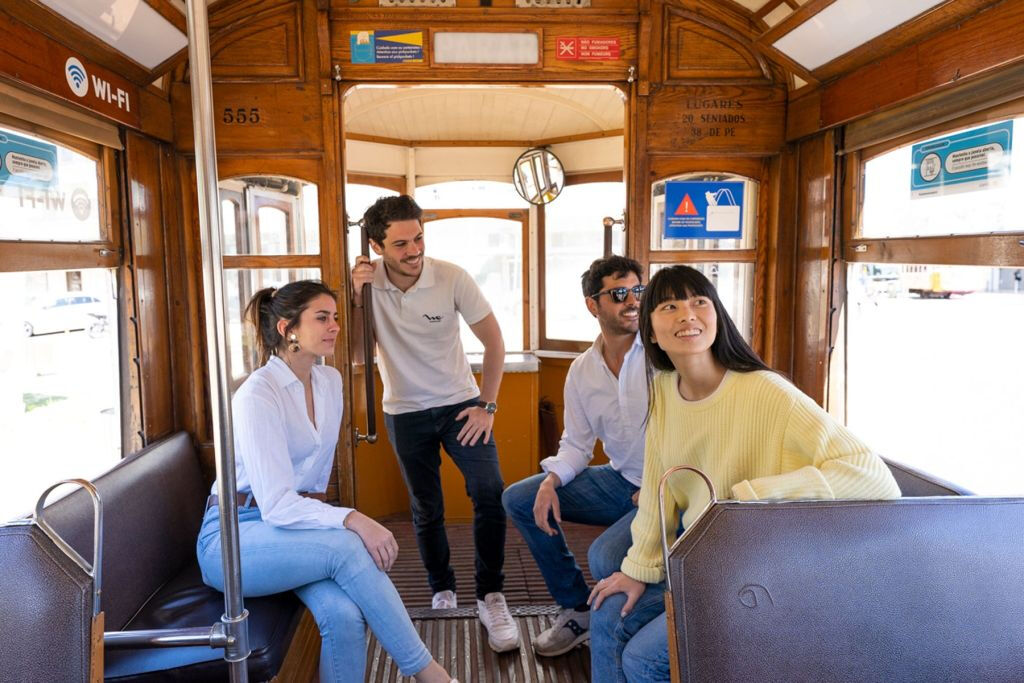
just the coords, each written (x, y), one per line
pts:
(491, 408)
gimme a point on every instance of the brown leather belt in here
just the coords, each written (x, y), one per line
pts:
(244, 498)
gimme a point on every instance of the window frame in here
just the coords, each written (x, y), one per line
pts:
(544, 342)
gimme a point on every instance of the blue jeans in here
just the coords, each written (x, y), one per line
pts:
(417, 439)
(633, 648)
(597, 495)
(333, 575)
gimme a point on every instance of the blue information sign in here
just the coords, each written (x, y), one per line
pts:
(703, 210)
(973, 160)
(27, 163)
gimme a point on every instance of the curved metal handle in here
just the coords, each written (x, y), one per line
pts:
(368, 346)
(93, 570)
(665, 549)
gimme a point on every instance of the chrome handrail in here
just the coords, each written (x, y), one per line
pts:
(666, 550)
(95, 569)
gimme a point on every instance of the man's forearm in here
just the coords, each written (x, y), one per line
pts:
(490, 374)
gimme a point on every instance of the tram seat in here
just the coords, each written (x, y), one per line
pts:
(153, 504)
(921, 588)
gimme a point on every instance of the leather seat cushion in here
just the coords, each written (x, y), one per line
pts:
(186, 601)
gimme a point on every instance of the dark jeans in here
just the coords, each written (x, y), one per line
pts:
(417, 439)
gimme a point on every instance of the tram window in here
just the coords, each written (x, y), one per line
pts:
(933, 368)
(491, 250)
(48, 192)
(241, 284)
(58, 367)
(748, 214)
(358, 198)
(735, 285)
(272, 216)
(904, 198)
(470, 194)
(573, 238)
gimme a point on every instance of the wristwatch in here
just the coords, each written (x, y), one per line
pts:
(491, 407)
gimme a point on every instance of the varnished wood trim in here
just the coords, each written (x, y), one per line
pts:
(1001, 250)
(987, 99)
(704, 256)
(800, 16)
(21, 256)
(399, 142)
(302, 659)
(396, 183)
(594, 177)
(275, 261)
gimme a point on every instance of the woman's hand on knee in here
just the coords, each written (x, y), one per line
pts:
(617, 583)
(379, 542)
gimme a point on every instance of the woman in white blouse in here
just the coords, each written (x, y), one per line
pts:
(287, 416)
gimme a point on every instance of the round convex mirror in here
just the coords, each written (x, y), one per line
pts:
(538, 176)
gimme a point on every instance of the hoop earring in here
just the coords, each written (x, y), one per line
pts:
(293, 343)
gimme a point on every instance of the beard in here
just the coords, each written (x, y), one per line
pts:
(616, 324)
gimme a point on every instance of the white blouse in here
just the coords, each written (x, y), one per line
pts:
(278, 450)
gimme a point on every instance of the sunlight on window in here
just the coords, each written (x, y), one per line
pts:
(491, 250)
(933, 370)
(892, 209)
(573, 238)
(60, 384)
(358, 198)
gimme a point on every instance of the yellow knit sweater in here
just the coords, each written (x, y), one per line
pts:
(756, 437)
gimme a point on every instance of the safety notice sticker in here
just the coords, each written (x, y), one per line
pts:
(703, 210)
(386, 47)
(25, 162)
(587, 49)
(972, 160)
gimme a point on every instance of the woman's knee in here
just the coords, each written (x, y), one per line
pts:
(336, 615)
(603, 563)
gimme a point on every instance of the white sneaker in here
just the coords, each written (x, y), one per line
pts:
(569, 630)
(444, 600)
(502, 630)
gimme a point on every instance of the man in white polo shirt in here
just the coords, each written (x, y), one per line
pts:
(606, 399)
(431, 399)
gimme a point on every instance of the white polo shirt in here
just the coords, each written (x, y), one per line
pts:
(422, 363)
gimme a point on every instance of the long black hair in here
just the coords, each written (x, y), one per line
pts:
(682, 282)
(270, 305)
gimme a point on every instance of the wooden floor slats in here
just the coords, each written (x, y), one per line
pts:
(456, 638)
(460, 644)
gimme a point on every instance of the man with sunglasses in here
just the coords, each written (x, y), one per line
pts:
(606, 399)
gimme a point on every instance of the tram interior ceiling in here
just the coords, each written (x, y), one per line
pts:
(848, 174)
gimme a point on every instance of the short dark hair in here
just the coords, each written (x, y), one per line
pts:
(386, 211)
(269, 305)
(681, 282)
(616, 266)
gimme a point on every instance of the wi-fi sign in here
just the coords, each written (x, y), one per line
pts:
(78, 80)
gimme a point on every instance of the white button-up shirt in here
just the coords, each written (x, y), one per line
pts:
(599, 405)
(422, 364)
(279, 452)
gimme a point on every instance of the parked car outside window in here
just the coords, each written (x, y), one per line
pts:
(71, 311)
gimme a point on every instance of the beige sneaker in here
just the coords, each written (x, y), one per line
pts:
(444, 600)
(569, 630)
(502, 630)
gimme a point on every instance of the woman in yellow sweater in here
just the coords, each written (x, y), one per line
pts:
(716, 406)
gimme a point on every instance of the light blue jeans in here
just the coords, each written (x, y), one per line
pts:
(634, 648)
(334, 576)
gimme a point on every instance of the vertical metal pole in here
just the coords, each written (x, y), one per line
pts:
(235, 617)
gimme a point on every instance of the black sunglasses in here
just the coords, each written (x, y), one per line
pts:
(619, 294)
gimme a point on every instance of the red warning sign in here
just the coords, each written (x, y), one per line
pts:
(587, 48)
(686, 207)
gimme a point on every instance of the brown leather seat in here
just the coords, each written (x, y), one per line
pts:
(914, 589)
(153, 504)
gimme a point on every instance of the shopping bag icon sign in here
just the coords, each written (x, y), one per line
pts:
(722, 216)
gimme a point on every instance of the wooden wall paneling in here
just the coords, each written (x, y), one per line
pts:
(698, 48)
(180, 315)
(263, 44)
(781, 301)
(148, 262)
(747, 120)
(803, 115)
(638, 237)
(984, 42)
(813, 252)
(155, 114)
